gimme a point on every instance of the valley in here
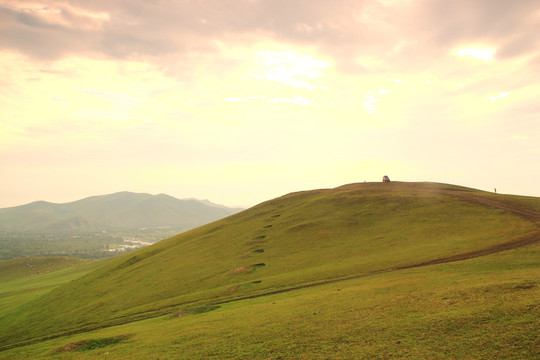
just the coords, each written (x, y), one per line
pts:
(80, 243)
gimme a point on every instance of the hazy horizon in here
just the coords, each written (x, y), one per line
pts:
(116, 193)
(241, 102)
(206, 200)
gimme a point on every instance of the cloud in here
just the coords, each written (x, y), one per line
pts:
(508, 27)
(400, 34)
(482, 54)
(449, 22)
(48, 32)
(521, 44)
(183, 83)
(289, 67)
(298, 100)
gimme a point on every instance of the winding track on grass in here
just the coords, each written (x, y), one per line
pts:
(489, 201)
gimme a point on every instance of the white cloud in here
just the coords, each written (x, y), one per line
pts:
(299, 100)
(242, 99)
(480, 54)
(371, 98)
(289, 67)
(500, 96)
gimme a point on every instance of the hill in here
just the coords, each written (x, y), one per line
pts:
(391, 244)
(15, 269)
(123, 210)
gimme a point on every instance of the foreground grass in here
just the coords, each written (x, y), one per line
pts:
(482, 308)
(24, 279)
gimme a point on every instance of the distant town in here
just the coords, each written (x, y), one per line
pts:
(130, 243)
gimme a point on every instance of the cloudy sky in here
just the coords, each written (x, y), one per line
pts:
(241, 101)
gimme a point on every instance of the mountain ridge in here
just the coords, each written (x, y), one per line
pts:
(117, 210)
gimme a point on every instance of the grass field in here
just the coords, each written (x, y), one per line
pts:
(25, 279)
(407, 270)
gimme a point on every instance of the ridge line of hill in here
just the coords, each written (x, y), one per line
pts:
(528, 214)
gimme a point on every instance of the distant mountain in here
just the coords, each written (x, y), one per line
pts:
(123, 210)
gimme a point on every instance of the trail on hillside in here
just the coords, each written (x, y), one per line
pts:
(524, 241)
(528, 214)
(498, 203)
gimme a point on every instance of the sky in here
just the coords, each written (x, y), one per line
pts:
(242, 101)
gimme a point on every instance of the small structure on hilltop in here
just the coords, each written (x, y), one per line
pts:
(385, 178)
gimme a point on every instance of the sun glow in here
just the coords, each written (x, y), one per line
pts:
(500, 96)
(480, 54)
(289, 67)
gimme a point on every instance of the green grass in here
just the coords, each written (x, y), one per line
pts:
(91, 344)
(483, 308)
(454, 310)
(34, 266)
(25, 279)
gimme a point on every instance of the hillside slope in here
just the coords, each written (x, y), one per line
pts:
(30, 266)
(114, 211)
(298, 240)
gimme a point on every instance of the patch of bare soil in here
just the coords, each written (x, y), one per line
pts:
(251, 253)
(256, 240)
(74, 346)
(247, 268)
(242, 269)
(84, 345)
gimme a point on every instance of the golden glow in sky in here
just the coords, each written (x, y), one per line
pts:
(243, 103)
(481, 54)
(289, 67)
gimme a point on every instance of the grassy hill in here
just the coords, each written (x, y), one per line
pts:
(24, 279)
(20, 268)
(359, 269)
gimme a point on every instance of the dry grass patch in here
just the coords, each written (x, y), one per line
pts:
(91, 344)
(247, 268)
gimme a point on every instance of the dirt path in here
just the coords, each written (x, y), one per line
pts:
(528, 214)
(531, 239)
(497, 202)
